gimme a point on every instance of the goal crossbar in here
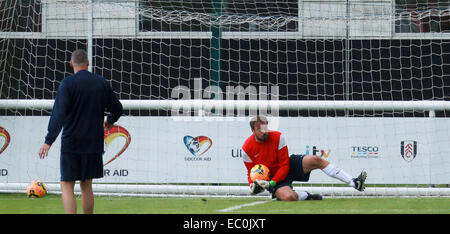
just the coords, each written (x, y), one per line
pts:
(200, 104)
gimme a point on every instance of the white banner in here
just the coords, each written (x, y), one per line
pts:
(207, 150)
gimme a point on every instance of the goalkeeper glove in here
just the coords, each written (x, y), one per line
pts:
(260, 185)
(255, 188)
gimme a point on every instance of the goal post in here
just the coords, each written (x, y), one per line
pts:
(186, 188)
(366, 82)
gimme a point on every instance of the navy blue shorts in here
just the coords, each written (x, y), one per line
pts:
(295, 173)
(76, 166)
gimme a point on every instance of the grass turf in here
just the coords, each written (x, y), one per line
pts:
(51, 204)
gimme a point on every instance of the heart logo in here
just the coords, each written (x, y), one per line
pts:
(114, 133)
(4, 134)
(197, 145)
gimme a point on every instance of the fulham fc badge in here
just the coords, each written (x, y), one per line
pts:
(409, 150)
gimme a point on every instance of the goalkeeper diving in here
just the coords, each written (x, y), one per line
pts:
(269, 148)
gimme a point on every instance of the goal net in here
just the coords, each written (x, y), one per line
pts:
(363, 84)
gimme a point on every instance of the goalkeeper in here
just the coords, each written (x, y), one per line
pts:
(269, 148)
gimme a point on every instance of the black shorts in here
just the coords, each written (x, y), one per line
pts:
(76, 166)
(295, 173)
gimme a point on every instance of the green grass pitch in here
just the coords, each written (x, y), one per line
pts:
(51, 204)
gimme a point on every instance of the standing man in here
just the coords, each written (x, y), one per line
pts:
(270, 148)
(79, 108)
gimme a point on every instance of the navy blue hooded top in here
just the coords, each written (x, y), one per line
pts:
(80, 104)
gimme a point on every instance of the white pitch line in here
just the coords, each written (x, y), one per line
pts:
(240, 206)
